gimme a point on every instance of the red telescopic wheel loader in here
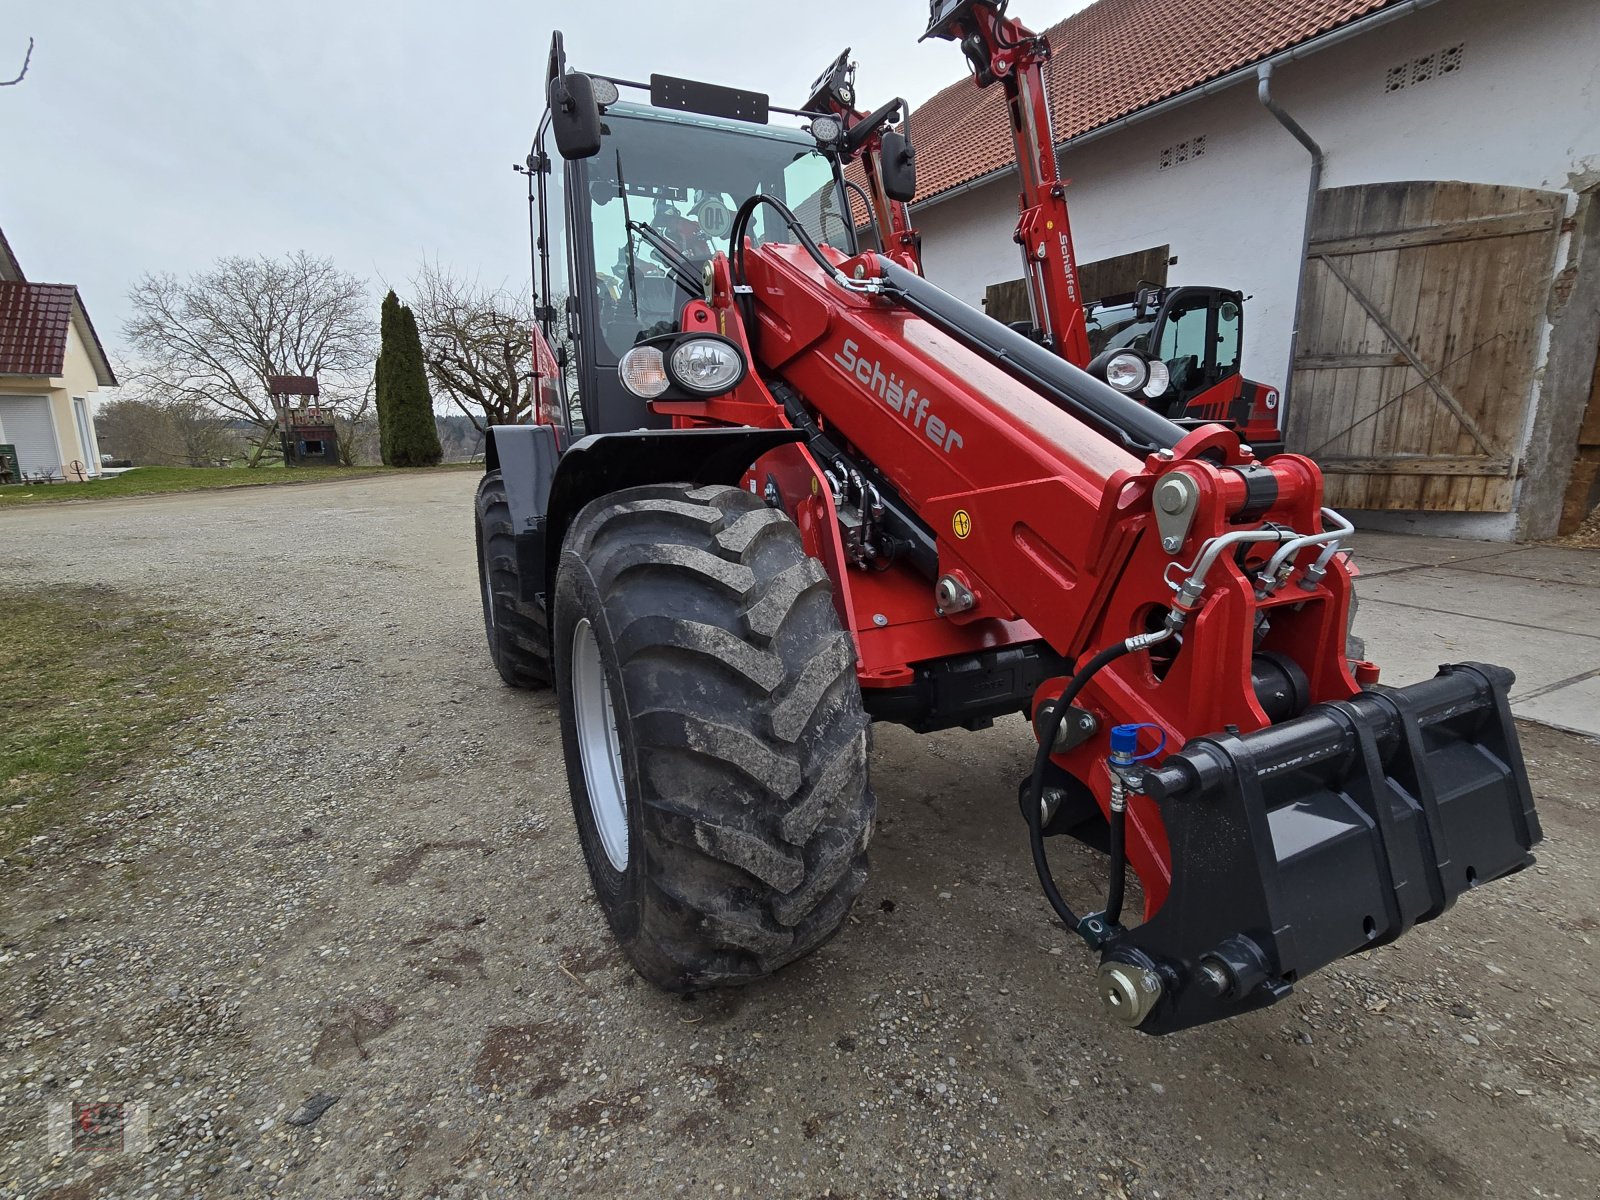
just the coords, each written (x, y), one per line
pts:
(778, 486)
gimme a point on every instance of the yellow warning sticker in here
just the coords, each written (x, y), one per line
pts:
(962, 524)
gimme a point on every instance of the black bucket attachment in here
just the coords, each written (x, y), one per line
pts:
(1326, 835)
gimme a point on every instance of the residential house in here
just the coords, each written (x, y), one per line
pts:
(1440, 246)
(51, 367)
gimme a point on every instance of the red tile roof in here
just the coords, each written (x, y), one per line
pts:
(1114, 58)
(293, 385)
(28, 338)
(34, 318)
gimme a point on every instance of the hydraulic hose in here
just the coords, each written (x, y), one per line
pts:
(741, 220)
(1041, 759)
(1125, 782)
(1119, 863)
(741, 284)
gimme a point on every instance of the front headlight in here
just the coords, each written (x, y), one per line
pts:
(1160, 380)
(643, 372)
(705, 365)
(1127, 372)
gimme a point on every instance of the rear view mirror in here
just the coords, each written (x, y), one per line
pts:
(574, 115)
(899, 166)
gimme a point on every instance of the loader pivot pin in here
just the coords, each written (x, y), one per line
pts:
(1129, 992)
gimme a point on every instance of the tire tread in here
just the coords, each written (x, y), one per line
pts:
(747, 727)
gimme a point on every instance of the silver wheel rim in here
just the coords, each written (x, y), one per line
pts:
(598, 745)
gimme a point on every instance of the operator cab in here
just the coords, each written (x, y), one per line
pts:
(658, 205)
(1191, 338)
(651, 191)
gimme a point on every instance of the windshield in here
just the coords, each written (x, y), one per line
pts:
(684, 179)
(1116, 326)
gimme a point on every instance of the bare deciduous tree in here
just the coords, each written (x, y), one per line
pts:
(477, 344)
(175, 433)
(355, 428)
(216, 336)
(26, 59)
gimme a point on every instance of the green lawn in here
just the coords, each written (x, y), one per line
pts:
(91, 682)
(152, 481)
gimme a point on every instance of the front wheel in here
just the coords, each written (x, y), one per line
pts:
(715, 741)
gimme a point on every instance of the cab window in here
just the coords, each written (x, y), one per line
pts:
(1229, 318)
(685, 180)
(1183, 336)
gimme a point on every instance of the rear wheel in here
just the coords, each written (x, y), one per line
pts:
(715, 741)
(518, 635)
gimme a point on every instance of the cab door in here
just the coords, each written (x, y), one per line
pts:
(1199, 336)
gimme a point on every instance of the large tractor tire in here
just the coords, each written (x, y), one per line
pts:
(715, 741)
(518, 636)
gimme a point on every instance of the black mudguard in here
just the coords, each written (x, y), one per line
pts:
(526, 457)
(1329, 834)
(547, 485)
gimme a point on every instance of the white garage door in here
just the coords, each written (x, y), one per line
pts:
(25, 423)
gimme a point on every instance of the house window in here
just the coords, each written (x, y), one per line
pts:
(311, 447)
(80, 410)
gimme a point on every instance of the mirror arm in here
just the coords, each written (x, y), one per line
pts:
(862, 131)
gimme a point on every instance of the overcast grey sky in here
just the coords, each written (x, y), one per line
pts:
(160, 135)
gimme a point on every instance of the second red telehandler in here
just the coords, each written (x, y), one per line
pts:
(1176, 349)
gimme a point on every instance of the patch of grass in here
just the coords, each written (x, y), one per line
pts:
(92, 682)
(153, 481)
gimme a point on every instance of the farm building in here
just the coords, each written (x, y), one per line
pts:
(1435, 228)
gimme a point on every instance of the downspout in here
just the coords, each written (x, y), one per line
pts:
(1318, 157)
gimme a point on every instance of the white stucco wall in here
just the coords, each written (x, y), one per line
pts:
(1525, 111)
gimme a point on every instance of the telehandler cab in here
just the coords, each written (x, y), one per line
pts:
(797, 489)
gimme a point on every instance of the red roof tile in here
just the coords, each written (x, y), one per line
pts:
(34, 318)
(1114, 58)
(293, 385)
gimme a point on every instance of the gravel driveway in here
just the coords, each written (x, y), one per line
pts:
(364, 883)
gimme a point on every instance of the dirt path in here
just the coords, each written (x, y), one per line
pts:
(366, 884)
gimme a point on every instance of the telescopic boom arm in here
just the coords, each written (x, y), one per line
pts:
(1003, 50)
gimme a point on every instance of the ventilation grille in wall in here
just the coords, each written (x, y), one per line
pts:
(1182, 152)
(1425, 67)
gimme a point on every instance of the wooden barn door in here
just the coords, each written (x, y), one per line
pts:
(1422, 311)
(1008, 301)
